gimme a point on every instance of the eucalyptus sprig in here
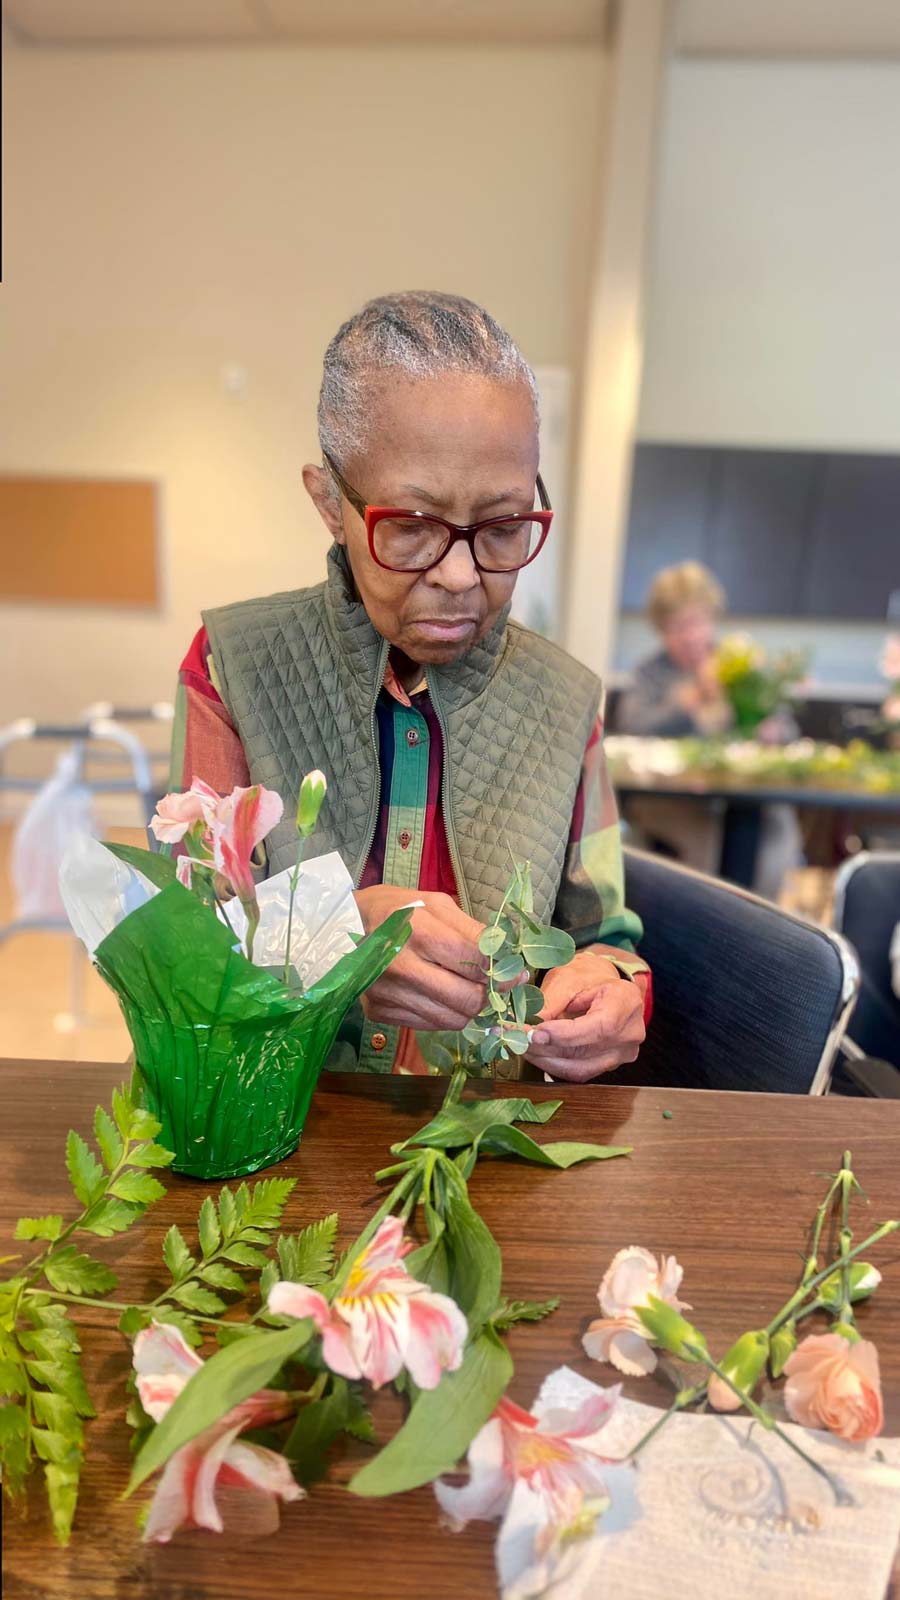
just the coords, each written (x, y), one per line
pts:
(518, 948)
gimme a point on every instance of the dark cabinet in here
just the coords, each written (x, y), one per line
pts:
(787, 532)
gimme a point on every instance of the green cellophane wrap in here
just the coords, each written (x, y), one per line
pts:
(228, 1056)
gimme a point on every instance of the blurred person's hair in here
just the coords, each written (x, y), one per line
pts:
(688, 584)
(416, 334)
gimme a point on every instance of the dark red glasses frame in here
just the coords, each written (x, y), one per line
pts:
(372, 515)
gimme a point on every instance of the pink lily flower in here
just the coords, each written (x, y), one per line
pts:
(383, 1319)
(619, 1335)
(185, 1495)
(545, 1478)
(178, 814)
(238, 825)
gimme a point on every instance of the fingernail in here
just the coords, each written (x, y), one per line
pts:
(540, 1036)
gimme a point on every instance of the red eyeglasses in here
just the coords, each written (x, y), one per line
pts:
(415, 541)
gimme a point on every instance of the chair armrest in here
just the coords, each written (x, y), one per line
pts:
(878, 1080)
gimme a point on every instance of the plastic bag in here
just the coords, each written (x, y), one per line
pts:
(98, 890)
(60, 812)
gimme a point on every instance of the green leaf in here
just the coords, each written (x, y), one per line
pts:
(143, 1124)
(123, 1110)
(150, 1155)
(516, 1040)
(512, 1311)
(158, 869)
(319, 1424)
(534, 1001)
(86, 1175)
(13, 1448)
(267, 1202)
(508, 967)
(12, 1378)
(474, 1260)
(227, 1378)
(230, 1332)
(196, 1299)
(63, 1378)
(176, 1254)
(133, 1320)
(137, 1187)
(549, 948)
(227, 1214)
(245, 1255)
(57, 1412)
(466, 1122)
(61, 1479)
(208, 1228)
(506, 1141)
(268, 1279)
(309, 1256)
(111, 1216)
(38, 1228)
(222, 1277)
(50, 1445)
(441, 1424)
(491, 940)
(71, 1273)
(108, 1140)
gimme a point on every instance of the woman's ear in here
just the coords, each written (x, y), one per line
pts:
(323, 492)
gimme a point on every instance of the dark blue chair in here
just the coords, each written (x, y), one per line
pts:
(746, 996)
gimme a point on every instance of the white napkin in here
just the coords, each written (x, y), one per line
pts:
(727, 1512)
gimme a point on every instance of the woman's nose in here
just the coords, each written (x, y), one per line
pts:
(457, 572)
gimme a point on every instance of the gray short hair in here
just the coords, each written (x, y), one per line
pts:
(417, 334)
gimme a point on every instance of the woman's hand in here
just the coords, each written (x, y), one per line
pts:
(437, 980)
(592, 1021)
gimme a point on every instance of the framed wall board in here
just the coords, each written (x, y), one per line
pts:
(79, 541)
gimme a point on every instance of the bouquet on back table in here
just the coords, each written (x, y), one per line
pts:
(756, 685)
(233, 994)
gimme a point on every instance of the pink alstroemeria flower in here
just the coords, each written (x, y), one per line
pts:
(383, 1319)
(545, 1478)
(185, 1496)
(178, 814)
(618, 1336)
(240, 822)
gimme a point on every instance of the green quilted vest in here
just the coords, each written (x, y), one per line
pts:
(301, 672)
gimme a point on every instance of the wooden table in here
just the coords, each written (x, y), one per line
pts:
(742, 805)
(728, 1184)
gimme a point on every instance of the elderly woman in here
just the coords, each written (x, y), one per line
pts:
(676, 693)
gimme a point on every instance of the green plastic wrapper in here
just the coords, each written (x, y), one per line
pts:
(227, 1055)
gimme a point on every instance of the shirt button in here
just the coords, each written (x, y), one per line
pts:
(404, 839)
(378, 1041)
(412, 736)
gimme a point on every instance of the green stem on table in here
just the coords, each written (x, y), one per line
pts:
(790, 1306)
(846, 1177)
(767, 1421)
(684, 1397)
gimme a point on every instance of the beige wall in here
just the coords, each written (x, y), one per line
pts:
(169, 214)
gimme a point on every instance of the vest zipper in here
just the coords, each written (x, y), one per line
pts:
(449, 825)
(376, 789)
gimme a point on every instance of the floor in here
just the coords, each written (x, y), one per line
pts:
(53, 1005)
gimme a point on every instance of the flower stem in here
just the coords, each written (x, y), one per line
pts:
(846, 1177)
(790, 1306)
(295, 876)
(683, 1398)
(767, 1421)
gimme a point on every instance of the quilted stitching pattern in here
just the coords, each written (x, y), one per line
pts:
(300, 673)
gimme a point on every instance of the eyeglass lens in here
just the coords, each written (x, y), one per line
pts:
(409, 544)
